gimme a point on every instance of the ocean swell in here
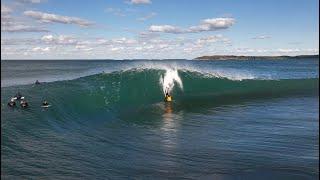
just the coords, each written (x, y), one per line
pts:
(139, 87)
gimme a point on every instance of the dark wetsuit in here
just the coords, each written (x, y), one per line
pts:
(11, 103)
(18, 96)
(24, 104)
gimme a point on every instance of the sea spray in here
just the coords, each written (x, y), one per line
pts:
(168, 81)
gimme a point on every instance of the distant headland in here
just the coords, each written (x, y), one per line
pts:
(229, 57)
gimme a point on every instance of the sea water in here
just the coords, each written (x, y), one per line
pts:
(230, 119)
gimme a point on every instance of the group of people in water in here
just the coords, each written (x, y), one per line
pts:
(18, 96)
(23, 102)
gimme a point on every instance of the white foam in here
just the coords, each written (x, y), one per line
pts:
(228, 73)
(169, 79)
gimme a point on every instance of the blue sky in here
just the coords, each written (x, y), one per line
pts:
(156, 29)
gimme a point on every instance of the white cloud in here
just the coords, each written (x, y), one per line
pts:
(102, 41)
(19, 41)
(68, 46)
(140, 2)
(165, 29)
(116, 48)
(315, 51)
(12, 27)
(147, 16)
(54, 18)
(83, 48)
(40, 49)
(262, 50)
(31, 1)
(213, 39)
(11, 51)
(212, 24)
(121, 12)
(61, 39)
(80, 46)
(147, 35)
(47, 38)
(288, 50)
(262, 37)
(13, 24)
(272, 52)
(123, 41)
(5, 10)
(34, 1)
(115, 11)
(244, 50)
(205, 25)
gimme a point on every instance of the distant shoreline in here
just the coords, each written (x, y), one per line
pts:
(229, 57)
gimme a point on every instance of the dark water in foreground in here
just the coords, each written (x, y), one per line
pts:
(229, 120)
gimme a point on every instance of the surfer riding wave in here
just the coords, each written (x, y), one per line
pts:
(168, 81)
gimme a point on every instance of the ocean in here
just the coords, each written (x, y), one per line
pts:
(233, 119)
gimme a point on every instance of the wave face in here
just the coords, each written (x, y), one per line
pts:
(147, 86)
(232, 120)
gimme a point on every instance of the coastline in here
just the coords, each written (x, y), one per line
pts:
(233, 57)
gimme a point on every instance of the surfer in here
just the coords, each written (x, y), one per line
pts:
(37, 82)
(167, 98)
(23, 103)
(45, 103)
(12, 103)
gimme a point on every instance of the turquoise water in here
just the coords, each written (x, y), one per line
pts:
(229, 120)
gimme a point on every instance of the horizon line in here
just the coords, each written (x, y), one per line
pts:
(163, 58)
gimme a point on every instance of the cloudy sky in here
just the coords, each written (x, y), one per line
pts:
(157, 29)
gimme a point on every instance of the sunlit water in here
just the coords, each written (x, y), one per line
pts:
(228, 120)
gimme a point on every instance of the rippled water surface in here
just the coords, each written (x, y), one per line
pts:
(228, 120)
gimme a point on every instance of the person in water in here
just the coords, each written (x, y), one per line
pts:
(167, 98)
(23, 103)
(45, 103)
(37, 82)
(12, 103)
